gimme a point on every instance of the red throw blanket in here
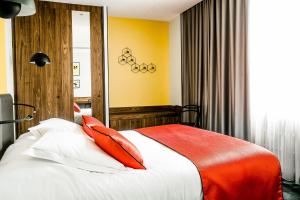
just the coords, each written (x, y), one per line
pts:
(230, 168)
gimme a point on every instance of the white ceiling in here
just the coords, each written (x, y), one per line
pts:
(164, 10)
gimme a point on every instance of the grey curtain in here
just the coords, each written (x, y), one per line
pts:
(214, 64)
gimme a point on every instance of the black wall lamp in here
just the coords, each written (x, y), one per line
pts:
(13, 8)
(40, 59)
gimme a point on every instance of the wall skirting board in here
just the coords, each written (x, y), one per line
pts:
(126, 118)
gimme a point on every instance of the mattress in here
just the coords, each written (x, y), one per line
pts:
(169, 176)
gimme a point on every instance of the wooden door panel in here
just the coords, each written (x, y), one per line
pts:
(50, 88)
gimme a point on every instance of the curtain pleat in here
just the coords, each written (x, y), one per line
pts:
(274, 78)
(214, 65)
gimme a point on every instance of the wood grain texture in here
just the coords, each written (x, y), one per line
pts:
(126, 118)
(26, 76)
(97, 58)
(56, 41)
(50, 88)
(82, 100)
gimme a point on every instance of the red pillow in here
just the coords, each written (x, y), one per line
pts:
(88, 122)
(118, 147)
(76, 107)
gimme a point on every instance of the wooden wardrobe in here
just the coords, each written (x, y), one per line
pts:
(50, 88)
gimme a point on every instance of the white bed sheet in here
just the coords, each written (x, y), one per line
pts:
(169, 176)
(78, 116)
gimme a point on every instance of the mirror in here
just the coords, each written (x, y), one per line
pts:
(82, 85)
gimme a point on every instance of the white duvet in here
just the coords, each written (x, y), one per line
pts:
(169, 176)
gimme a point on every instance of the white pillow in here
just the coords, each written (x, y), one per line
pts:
(72, 147)
(53, 123)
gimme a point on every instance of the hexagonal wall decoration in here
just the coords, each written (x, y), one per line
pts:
(151, 68)
(122, 60)
(128, 58)
(135, 68)
(143, 68)
(126, 52)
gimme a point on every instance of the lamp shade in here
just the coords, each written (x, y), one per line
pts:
(40, 59)
(12, 8)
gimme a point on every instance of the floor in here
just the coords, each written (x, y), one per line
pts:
(291, 192)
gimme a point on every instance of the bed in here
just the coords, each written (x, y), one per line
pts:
(180, 162)
(27, 178)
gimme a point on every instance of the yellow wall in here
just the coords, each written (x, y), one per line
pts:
(149, 42)
(3, 86)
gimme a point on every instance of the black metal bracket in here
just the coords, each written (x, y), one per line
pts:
(27, 118)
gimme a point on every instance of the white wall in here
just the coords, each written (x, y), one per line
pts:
(106, 89)
(82, 52)
(175, 61)
(9, 58)
(83, 56)
(9, 63)
(81, 29)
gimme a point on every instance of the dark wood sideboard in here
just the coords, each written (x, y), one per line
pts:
(126, 118)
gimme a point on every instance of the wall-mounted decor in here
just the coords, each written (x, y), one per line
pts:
(76, 84)
(76, 68)
(128, 58)
(40, 59)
